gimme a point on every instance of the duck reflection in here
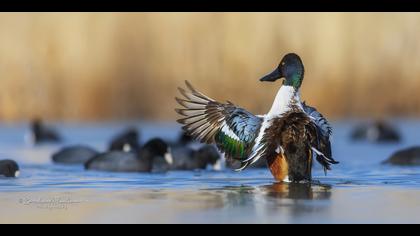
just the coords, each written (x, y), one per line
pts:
(297, 191)
(296, 200)
(292, 191)
(276, 202)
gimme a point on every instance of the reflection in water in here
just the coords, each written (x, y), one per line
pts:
(297, 198)
(261, 204)
(294, 191)
(297, 191)
(294, 199)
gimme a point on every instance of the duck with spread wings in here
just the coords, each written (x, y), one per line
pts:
(288, 137)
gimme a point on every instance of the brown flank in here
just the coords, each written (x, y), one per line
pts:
(278, 167)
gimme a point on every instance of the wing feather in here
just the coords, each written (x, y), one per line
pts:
(231, 128)
(322, 144)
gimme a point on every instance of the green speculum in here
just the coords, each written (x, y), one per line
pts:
(231, 146)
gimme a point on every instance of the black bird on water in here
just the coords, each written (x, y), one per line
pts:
(128, 140)
(9, 168)
(40, 133)
(154, 155)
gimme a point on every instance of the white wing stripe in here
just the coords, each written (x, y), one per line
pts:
(258, 145)
(228, 131)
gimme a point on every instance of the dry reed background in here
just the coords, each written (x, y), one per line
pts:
(107, 66)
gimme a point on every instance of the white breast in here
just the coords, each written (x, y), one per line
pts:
(284, 97)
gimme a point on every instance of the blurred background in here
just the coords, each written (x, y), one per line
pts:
(127, 66)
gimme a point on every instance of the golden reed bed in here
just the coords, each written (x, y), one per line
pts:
(102, 66)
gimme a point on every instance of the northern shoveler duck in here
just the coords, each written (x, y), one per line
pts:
(155, 155)
(9, 168)
(288, 136)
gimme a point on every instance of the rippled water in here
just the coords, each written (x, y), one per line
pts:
(359, 189)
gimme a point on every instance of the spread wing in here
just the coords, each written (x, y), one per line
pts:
(231, 128)
(323, 147)
(322, 123)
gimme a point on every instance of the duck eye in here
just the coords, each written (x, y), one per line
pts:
(283, 63)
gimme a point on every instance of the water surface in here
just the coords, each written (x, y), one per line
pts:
(358, 190)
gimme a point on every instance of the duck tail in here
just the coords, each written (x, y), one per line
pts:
(324, 160)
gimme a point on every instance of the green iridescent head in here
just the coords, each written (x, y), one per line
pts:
(290, 68)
